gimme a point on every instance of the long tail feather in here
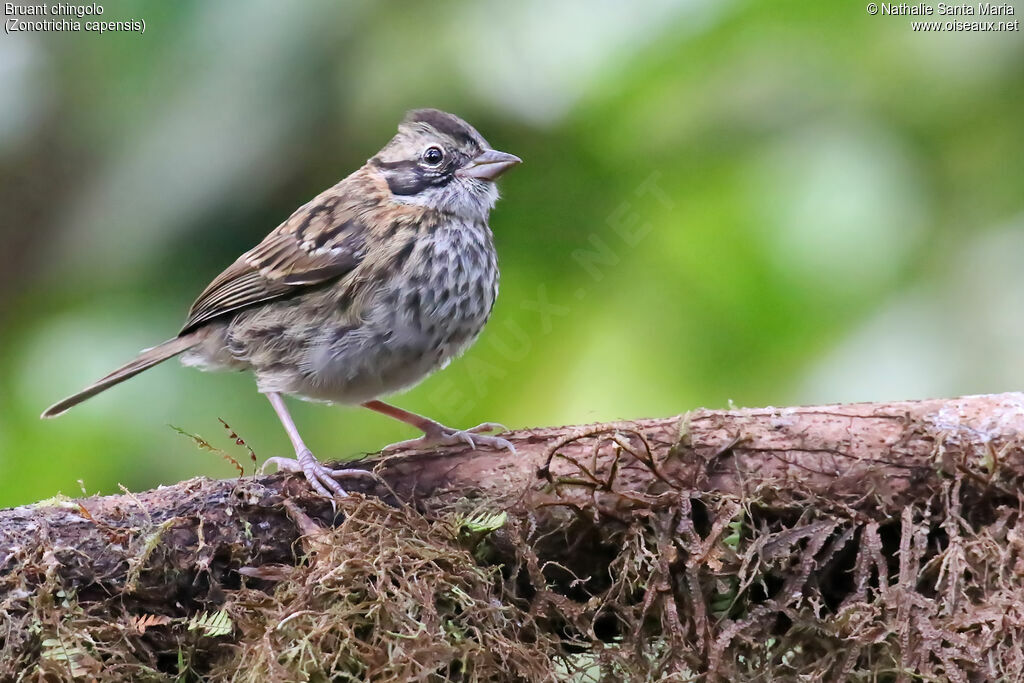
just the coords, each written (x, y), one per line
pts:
(144, 361)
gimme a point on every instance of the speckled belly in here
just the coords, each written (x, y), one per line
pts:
(317, 347)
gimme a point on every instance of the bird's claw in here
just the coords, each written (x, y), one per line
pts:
(321, 478)
(474, 437)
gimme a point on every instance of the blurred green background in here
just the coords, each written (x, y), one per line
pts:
(756, 202)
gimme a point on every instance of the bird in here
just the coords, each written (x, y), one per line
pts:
(362, 292)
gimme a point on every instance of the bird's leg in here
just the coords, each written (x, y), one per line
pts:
(436, 434)
(321, 478)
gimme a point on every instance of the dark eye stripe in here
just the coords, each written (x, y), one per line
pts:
(408, 177)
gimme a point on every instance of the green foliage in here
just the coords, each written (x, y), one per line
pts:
(212, 624)
(484, 522)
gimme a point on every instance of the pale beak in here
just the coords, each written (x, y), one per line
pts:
(488, 165)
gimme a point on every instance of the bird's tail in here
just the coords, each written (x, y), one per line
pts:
(144, 361)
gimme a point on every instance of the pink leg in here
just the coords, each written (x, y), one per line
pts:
(321, 478)
(436, 434)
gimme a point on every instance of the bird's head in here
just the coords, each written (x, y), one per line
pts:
(439, 161)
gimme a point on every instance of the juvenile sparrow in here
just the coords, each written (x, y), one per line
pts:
(365, 290)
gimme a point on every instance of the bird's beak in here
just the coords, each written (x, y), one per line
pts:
(489, 165)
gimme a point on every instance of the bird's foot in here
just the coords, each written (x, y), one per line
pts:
(323, 479)
(436, 434)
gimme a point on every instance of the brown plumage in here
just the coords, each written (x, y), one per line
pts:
(363, 291)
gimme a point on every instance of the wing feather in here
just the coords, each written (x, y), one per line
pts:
(321, 241)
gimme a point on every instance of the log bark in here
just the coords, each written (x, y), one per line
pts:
(173, 543)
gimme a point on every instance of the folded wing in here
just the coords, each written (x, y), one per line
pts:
(322, 241)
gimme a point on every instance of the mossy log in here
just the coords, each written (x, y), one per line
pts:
(833, 541)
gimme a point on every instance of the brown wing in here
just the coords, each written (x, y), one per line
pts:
(323, 240)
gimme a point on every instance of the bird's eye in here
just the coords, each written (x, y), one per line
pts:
(433, 156)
